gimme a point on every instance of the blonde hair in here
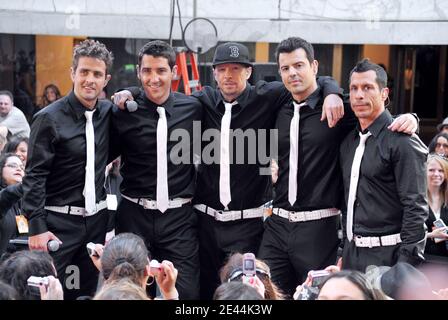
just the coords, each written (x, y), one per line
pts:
(443, 191)
(123, 289)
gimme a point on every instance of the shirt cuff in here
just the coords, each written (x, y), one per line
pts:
(37, 226)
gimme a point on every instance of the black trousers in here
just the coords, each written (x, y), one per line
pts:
(76, 271)
(218, 240)
(291, 249)
(171, 235)
(355, 258)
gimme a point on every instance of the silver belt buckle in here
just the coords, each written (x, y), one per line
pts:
(290, 216)
(217, 213)
(360, 240)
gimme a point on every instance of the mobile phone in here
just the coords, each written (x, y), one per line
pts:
(249, 267)
(91, 249)
(439, 224)
(318, 277)
(37, 281)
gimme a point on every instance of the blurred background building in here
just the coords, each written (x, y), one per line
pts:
(409, 37)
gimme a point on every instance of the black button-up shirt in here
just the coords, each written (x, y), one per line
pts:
(137, 144)
(55, 171)
(319, 180)
(392, 183)
(257, 109)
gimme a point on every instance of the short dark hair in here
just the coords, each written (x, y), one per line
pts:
(7, 93)
(7, 292)
(293, 43)
(158, 48)
(19, 266)
(92, 49)
(236, 291)
(365, 65)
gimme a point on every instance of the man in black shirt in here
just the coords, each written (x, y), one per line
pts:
(384, 180)
(301, 234)
(64, 197)
(158, 184)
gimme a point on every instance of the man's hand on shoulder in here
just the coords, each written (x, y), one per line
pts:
(332, 110)
(120, 97)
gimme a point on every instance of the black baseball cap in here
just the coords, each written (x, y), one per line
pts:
(231, 52)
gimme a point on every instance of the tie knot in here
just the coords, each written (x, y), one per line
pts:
(363, 136)
(89, 115)
(161, 112)
(229, 105)
(297, 106)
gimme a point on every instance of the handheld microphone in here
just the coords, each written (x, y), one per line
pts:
(53, 245)
(131, 105)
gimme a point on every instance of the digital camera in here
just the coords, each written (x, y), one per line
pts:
(91, 249)
(37, 281)
(154, 266)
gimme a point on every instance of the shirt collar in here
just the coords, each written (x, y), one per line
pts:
(313, 99)
(384, 119)
(168, 104)
(77, 107)
(242, 99)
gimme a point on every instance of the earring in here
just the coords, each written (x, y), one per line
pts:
(151, 282)
(386, 104)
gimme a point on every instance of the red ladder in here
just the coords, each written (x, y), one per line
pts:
(182, 72)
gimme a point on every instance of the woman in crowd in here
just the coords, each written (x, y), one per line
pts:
(125, 257)
(18, 267)
(437, 194)
(348, 285)
(51, 94)
(19, 146)
(11, 221)
(233, 271)
(439, 144)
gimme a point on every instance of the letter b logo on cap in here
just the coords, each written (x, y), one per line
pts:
(234, 52)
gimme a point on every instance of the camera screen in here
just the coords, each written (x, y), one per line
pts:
(317, 281)
(249, 264)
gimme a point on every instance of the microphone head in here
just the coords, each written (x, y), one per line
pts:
(131, 105)
(53, 245)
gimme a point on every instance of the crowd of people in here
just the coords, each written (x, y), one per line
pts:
(345, 185)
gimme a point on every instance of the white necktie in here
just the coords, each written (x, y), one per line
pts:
(162, 166)
(89, 183)
(294, 153)
(354, 178)
(224, 173)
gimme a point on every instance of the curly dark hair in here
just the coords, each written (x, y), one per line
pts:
(19, 266)
(93, 49)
